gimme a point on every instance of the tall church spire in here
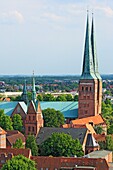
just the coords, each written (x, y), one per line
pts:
(33, 89)
(94, 53)
(24, 94)
(88, 67)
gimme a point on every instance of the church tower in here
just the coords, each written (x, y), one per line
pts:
(24, 94)
(90, 84)
(33, 90)
(95, 61)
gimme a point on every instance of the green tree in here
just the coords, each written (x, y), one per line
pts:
(109, 143)
(61, 144)
(61, 97)
(98, 129)
(29, 94)
(48, 97)
(5, 121)
(31, 144)
(1, 112)
(69, 97)
(110, 129)
(17, 122)
(76, 98)
(40, 97)
(18, 144)
(53, 118)
(19, 163)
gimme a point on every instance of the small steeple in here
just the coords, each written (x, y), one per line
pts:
(33, 90)
(94, 53)
(24, 94)
(88, 68)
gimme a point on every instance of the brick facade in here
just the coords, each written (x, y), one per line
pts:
(34, 120)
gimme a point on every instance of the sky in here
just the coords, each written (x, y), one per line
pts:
(48, 36)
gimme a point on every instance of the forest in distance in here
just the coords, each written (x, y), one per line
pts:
(20, 79)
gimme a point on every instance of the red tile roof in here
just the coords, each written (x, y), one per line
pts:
(12, 136)
(95, 119)
(57, 162)
(100, 137)
(15, 151)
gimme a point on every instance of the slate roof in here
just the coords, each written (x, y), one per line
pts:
(91, 142)
(69, 109)
(46, 132)
(99, 154)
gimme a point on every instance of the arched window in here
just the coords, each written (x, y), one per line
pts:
(86, 88)
(29, 128)
(90, 89)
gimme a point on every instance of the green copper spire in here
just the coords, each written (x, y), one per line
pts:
(88, 68)
(94, 53)
(33, 90)
(24, 94)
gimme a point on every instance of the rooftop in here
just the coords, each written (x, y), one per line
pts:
(46, 132)
(95, 119)
(98, 154)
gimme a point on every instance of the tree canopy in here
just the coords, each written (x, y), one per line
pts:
(17, 122)
(19, 163)
(107, 113)
(18, 144)
(5, 121)
(53, 118)
(48, 97)
(31, 144)
(108, 145)
(61, 144)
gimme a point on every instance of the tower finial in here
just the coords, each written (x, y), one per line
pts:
(33, 89)
(94, 52)
(88, 67)
(24, 94)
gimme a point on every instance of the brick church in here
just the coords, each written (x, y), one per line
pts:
(90, 92)
(90, 84)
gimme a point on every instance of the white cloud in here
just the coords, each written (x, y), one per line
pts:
(11, 17)
(52, 16)
(107, 10)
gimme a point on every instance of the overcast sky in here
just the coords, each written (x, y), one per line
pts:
(47, 36)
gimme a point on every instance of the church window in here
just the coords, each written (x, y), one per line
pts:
(84, 97)
(82, 88)
(29, 117)
(86, 88)
(85, 111)
(33, 129)
(29, 128)
(90, 89)
(88, 97)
